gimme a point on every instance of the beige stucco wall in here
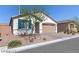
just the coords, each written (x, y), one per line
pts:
(72, 29)
(45, 20)
(64, 26)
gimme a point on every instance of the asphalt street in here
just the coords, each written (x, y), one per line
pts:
(68, 46)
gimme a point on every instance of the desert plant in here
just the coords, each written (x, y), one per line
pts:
(73, 33)
(68, 31)
(65, 31)
(32, 39)
(44, 39)
(14, 43)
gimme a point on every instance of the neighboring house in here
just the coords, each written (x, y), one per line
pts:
(66, 25)
(5, 29)
(19, 24)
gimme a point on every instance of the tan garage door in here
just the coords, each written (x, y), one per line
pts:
(49, 28)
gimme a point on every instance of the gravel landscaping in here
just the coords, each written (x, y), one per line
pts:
(26, 40)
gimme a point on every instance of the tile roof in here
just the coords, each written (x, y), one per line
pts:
(65, 21)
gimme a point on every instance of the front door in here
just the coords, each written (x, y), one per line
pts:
(37, 27)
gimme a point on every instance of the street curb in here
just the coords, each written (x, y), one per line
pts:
(13, 50)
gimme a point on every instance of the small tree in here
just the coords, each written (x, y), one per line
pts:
(32, 13)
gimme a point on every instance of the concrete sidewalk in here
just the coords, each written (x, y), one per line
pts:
(13, 50)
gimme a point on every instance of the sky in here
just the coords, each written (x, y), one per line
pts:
(58, 12)
(6, 12)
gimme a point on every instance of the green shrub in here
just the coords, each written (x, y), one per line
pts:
(14, 43)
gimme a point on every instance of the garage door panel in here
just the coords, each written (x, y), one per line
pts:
(49, 28)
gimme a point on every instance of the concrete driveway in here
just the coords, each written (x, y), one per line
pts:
(69, 46)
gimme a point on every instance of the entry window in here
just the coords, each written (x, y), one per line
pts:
(24, 24)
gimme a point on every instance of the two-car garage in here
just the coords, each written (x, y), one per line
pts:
(49, 28)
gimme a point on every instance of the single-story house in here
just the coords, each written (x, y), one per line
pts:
(5, 29)
(20, 25)
(66, 25)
